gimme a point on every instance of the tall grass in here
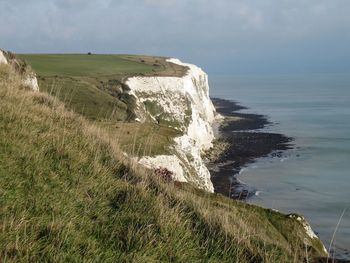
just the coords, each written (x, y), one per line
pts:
(69, 194)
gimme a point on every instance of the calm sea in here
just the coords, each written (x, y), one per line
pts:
(314, 178)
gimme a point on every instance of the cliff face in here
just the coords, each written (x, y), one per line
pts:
(3, 59)
(184, 104)
(28, 76)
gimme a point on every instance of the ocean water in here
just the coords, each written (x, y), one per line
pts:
(314, 177)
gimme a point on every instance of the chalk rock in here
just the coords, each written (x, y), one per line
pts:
(183, 103)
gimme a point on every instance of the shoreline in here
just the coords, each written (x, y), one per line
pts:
(239, 143)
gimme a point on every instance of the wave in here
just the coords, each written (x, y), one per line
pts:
(242, 170)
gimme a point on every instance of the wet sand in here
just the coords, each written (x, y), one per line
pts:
(244, 144)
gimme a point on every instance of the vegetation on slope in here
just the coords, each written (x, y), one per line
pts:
(68, 194)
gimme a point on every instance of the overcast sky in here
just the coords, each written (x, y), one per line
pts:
(222, 36)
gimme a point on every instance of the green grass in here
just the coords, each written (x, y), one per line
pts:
(82, 65)
(78, 65)
(85, 98)
(68, 194)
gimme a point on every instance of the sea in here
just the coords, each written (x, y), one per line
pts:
(313, 178)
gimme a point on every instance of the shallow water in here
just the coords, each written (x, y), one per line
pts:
(314, 178)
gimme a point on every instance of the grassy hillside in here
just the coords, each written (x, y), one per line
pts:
(68, 194)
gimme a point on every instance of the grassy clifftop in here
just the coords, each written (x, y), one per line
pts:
(118, 66)
(93, 84)
(68, 194)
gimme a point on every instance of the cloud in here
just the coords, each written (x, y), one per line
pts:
(81, 4)
(164, 3)
(202, 31)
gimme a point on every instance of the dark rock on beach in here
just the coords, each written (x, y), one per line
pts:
(244, 144)
(330, 260)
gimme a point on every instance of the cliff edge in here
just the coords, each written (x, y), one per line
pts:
(182, 103)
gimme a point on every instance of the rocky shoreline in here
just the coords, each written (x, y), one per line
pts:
(239, 143)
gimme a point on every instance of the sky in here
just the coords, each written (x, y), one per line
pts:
(221, 36)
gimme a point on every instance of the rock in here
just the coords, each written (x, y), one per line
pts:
(3, 59)
(31, 81)
(28, 75)
(308, 230)
(164, 173)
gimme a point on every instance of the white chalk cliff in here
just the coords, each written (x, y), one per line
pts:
(28, 77)
(182, 103)
(3, 59)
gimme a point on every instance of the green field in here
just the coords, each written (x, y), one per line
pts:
(97, 65)
(77, 65)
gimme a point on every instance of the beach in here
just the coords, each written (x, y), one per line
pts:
(244, 142)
